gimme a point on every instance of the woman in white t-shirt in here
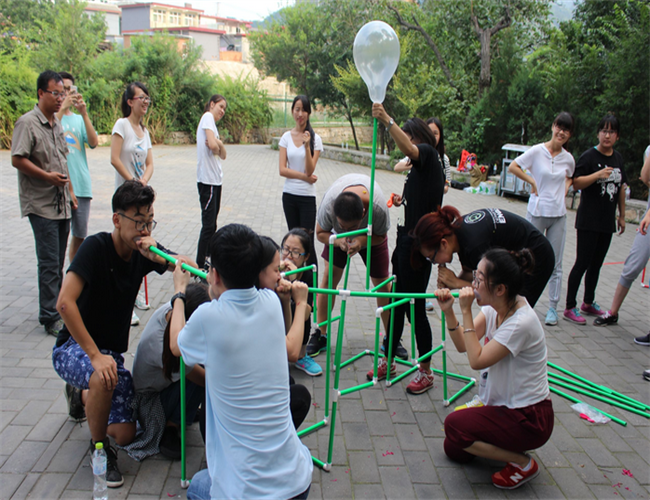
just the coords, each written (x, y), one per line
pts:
(131, 154)
(549, 171)
(209, 175)
(300, 148)
(506, 342)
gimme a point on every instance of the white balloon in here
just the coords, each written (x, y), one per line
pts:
(376, 56)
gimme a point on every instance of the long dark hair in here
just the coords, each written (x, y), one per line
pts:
(306, 105)
(214, 99)
(195, 295)
(269, 249)
(129, 93)
(440, 147)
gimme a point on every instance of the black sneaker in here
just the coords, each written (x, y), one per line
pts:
(170, 443)
(316, 344)
(54, 328)
(646, 375)
(606, 319)
(643, 340)
(114, 477)
(400, 352)
(76, 409)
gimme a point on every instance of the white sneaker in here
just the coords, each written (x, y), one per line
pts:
(134, 319)
(141, 302)
(474, 403)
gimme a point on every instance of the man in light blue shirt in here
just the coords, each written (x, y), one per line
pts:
(252, 447)
(78, 131)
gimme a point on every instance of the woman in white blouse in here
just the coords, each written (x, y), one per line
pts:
(549, 171)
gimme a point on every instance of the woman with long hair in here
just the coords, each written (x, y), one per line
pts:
(506, 342)
(423, 192)
(131, 154)
(549, 170)
(443, 233)
(156, 380)
(300, 149)
(209, 174)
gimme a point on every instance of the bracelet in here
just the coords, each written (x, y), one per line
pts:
(453, 329)
(465, 330)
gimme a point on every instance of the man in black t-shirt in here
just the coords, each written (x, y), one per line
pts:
(95, 302)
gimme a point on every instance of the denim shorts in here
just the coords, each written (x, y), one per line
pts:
(73, 365)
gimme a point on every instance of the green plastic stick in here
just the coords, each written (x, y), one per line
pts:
(461, 392)
(600, 398)
(374, 289)
(587, 387)
(356, 388)
(395, 304)
(412, 309)
(576, 400)
(444, 361)
(173, 260)
(387, 295)
(372, 201)
(312, 428)
(183, 416)
(299, 270)
(326, 321)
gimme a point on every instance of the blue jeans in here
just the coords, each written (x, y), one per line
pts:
(51, 238)
(200, 487)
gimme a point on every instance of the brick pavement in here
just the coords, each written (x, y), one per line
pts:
(43, 454)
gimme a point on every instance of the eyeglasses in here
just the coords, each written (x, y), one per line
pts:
(294, 253)
(56, 94)
(476, 280)
(433, 258)
(609, 131)
(140, 225)
(145, 99)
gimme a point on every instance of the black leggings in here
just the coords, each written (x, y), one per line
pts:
(414, 281)
(591, 250)
(210, 199)
(299, 211)
(299, 401)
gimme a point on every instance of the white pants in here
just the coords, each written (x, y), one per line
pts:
(554, 228)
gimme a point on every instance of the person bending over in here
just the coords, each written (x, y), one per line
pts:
(252, 448)
(506, 342)
(96, 302)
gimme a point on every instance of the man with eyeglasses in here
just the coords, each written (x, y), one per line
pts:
(38, 152)
(79, 132)
(96, 302)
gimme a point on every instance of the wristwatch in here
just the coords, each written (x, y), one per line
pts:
(390, 124)
(179, 295)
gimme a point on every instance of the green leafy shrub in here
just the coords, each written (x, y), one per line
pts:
(17, 94)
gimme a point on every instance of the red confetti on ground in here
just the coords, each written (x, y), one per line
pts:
(387, 453)
(394, 413)
(628, 489)
(170, 495)
(616, 485)
(627, 473)
(333, 480)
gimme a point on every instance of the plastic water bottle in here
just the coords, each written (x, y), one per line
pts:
(100, 492)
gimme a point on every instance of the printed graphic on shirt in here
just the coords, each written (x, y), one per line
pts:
(138, 160)
(479, 215)
(72, 140)
(610, 185)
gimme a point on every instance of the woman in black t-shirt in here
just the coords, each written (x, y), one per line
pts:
(423, 191)
(440, 235)
(600, 177)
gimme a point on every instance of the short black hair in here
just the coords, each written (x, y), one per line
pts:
(66, 76)
(348, 207)
(44, 79)
(236, 252)
(133, 194)
(612, 121)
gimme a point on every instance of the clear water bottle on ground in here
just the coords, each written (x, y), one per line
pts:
(100, 492)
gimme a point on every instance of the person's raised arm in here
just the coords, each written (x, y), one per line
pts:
(398, 135)
(403, 165)
(116, 148)
(177, 321)
(295, 334)
(311, 157)
(104, 365)
(447, 278)
(454, 327)
(584, 181)
(93, 140)
(517, 171)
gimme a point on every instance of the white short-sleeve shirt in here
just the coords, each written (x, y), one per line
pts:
(208, 165)
(550, 174)
(296, 161)
(133, 154)
(521, 378)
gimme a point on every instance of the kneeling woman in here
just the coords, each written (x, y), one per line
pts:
(518, 414)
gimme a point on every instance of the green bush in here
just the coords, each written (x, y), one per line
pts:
(17, 94)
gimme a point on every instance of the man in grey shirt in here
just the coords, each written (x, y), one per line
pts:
(38, 151)
(345, 208)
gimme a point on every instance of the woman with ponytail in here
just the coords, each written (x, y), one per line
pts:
(300, 148)
(209, 153)
(441, 234)
(505, 341)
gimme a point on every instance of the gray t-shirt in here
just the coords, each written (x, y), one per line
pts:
(380, 217)
(147, 365)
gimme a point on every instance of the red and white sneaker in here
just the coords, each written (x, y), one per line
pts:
(514, 476)
(422, 382)
(382, 369)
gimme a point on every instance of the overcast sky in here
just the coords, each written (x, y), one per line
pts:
(246, 10)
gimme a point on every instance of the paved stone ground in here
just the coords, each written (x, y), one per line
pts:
(44, 455)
